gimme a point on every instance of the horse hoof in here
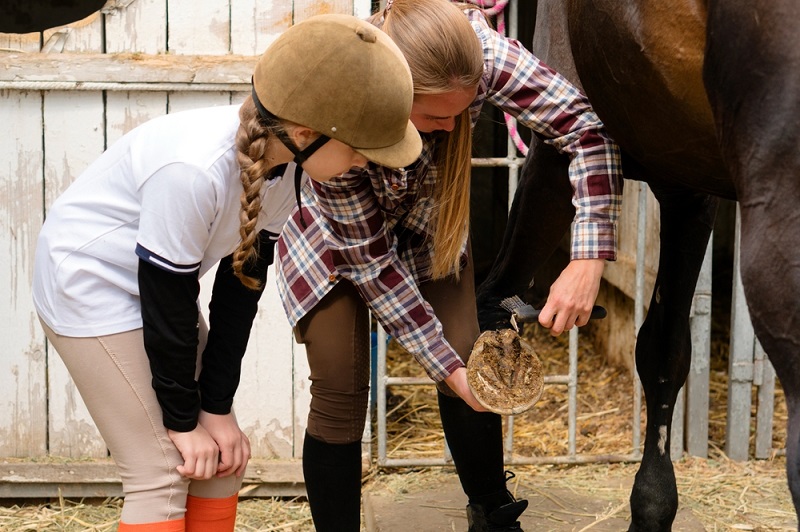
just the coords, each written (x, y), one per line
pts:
(504, 373)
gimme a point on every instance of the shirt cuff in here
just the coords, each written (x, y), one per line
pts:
(594, 240)
(447, 361)
(178, 424)
(220, 408)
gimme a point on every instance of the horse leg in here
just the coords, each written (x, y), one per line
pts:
(540, 215)
(663, 349)
(752, 80)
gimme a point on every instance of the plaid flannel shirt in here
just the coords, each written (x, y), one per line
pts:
(372, 226)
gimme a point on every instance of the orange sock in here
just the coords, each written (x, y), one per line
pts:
(175, 525)
(211, 515)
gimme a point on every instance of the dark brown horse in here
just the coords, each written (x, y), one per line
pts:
(703, 97)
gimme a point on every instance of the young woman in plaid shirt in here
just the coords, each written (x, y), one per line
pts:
(395, 242)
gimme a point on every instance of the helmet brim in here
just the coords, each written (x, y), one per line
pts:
(397, 155)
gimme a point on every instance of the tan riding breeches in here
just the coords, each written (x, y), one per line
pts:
(112, 374)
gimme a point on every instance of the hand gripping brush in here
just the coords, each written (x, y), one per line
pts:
(522, 312)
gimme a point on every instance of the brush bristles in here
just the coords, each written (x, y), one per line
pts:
(512, 303)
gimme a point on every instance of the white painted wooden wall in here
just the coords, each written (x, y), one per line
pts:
(50, 136)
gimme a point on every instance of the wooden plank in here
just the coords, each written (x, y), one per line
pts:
(266, 403)
(73, 138)
(765, 380)
(239, 97)
(198, 27)
(23, 384)
(362, 8)
(99, 478)
(183, 101)
(740, 366)
(127, 109)
(678, 432)
(697, 382)
(304, 9)
(255, 24)
(104, 470)
(125, 67)
(20, 42)
(83, 489)
(140, 26)
(85, 34)
(621, 273)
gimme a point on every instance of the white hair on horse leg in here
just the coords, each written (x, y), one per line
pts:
(662, 439)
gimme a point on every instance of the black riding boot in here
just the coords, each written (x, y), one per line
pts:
(501, 518)
(475, 440)
(333, 482)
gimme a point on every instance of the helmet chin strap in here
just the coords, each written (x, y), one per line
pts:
(300, 156)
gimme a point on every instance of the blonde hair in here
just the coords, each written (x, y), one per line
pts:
(444, 55)
(252, 138)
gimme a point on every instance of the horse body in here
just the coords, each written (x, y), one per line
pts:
(641, 66)
(703, 98)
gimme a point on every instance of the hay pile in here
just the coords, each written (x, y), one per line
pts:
(63, 515)
(98, 515)
(605, 405)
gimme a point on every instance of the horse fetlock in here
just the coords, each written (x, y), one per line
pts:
(654, 497)
(653, 512)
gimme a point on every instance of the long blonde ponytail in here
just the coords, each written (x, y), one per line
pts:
(452, 197)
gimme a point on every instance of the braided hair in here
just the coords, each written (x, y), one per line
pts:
(252, 139)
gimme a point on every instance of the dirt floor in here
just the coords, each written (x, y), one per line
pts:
(439, 507)
(716, 495)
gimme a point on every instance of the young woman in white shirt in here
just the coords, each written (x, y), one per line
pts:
(120, 254)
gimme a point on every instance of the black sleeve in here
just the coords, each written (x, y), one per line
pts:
(232, 310)
(169, 315)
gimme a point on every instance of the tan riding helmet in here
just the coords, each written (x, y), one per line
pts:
(346, 79)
